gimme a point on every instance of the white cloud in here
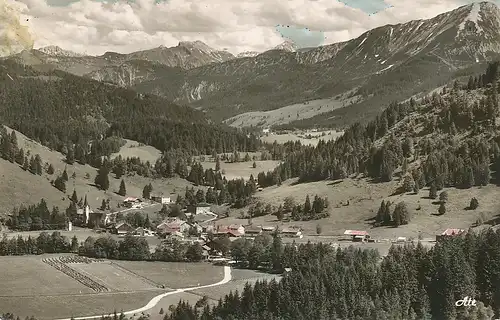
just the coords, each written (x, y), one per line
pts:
(245, 25)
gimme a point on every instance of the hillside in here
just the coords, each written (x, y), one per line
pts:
(24, 188)
(412, 153)
(67, 112)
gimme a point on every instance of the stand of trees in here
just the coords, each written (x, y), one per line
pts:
(37, 217)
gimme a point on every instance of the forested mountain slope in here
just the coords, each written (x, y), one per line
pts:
(64, 111)
(448, 139)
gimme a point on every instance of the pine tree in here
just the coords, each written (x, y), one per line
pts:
(442, 208)
(443, 196)
(433, 191)
(146, 192)
(307, 205)
(60, 184)
(103, 205)
(102, 179)
(217, 164)
(50, 169)
(401, 214)
(123, 190)
(65, 175)
(74, 197)
(474, 204)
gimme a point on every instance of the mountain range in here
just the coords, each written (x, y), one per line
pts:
(333, 85)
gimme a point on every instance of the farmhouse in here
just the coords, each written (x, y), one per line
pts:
(268, 229)
(143, 232)
(266, 130)
(357, 236)
(171, 226)
(252, 231)
(123, 228)
(292, 232)
(161, 199)
(233, 230)
(450, 233)
(130, 202)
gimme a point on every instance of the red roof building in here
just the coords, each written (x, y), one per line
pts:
(450, 233)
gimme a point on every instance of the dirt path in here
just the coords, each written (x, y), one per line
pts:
(155, 300)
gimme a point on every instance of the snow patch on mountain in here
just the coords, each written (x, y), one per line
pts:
(288, 45)
(247, 54)
(474, 17)
(57, 51)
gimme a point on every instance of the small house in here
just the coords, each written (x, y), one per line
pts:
(161, 199)
(130, 202)
(292, 233)
(233, 230)
(171, 226)
(450, 233)
(253, 231)
(357, 236)
(123, 228)
(268, 229)
(266, 130)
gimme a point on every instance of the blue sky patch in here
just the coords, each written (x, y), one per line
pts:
(303, 37)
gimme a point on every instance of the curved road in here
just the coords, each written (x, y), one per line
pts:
(155, 300)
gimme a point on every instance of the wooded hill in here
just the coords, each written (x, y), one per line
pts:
(450, 139)
(65, 112)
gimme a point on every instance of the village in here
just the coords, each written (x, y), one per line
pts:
(198, 224)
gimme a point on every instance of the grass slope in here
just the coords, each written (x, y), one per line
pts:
(21, 187)
(364, 200)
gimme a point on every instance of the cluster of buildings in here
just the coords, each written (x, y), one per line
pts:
(363, 236)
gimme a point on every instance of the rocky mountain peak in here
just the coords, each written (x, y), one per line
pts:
(287, 45)
(58, 51)
(200, 45)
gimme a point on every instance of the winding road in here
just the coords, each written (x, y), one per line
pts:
(151, 304)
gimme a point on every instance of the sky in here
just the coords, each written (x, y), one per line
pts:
(96, 26)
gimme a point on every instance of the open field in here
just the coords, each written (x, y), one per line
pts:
(29, 276)
(239, 170)
(49, 293)
(112, 277)
(293, 112)
(302, 137)
(364, 200)
(136, 149)
(243, 170)
(21, 187)
(57, 307)
(175, 275)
